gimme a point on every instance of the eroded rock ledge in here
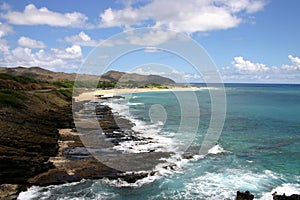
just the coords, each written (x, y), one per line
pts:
(248, 196)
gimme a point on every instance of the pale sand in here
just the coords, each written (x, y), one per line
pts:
(112, 92)
(59, 160)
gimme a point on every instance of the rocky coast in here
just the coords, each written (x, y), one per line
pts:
(39, 144)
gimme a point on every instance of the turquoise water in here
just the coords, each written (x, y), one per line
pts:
(258, 149)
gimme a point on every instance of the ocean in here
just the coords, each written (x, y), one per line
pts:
(258, 149)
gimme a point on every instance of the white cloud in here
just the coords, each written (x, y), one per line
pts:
(248, 71)
(82, 39)
(188, 16)
(55, 59)
(5, 29)
(246, 66)
(4, 48)
(295, 64)
(152, 38)
(179, 77)
(69, 53)
(294, 60)
(30, 43)
(34, 16)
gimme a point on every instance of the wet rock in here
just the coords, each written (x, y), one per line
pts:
(188, 155)
(244, 195)
(75, 170)
(10, 191)
(171, 166)
(284, 197)
(135, 176)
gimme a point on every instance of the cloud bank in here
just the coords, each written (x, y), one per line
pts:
(34, 16)
(188, 16)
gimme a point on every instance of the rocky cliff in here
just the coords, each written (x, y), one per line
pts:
(29, 120)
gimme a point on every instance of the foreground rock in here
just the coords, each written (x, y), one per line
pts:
(28, 134)
(72, 163)
(244, 195)
(10, 191)
(284, 197)
(248, 196)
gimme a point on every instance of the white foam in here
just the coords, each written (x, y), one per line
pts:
(169, 166)
(286, 188)
(223, 185)
(158, 142)
(134, 104)
(31, 193)
(217, 149)
(207, 88)
(120, 183)
(37, 192)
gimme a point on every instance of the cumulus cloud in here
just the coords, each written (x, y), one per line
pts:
(4, 48)
(247, 71)
(295, 64)
(161, 70)
(55, 59)
(152, 38)
(34, 16)
(187, 16)
(30, 43)
(5, 29)
(246, 66)
(82, 39)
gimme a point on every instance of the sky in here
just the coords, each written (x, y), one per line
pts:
(249, 41)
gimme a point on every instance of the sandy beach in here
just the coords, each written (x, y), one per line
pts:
(112, 92)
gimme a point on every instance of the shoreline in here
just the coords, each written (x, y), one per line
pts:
(73, 162)
(72, 169)
(88, 96)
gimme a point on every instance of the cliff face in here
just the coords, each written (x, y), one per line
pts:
(28, 134)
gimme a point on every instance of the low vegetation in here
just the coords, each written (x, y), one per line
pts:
(12, 98)
(155, 85)
(19, 79)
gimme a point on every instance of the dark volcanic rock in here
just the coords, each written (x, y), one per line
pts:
(75, 170)
(29, 135)
(284, 197)
(135, 176)
(244, 195)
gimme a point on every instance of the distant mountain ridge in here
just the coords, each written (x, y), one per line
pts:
(110, 76)
(117, 76)
(43, 74)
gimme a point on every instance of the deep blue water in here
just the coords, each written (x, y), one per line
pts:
(258, 150)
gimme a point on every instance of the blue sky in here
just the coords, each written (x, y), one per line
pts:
(248, 40)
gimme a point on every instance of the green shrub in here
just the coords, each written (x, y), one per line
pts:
(12, 98)
(66, 92)
(156, 85)
(14, 93)
(20, 79)
(106, 84)
(63, 84)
